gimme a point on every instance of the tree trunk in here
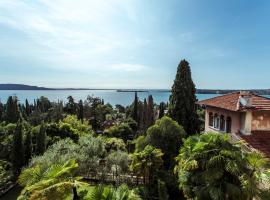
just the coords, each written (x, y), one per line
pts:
(75, 194)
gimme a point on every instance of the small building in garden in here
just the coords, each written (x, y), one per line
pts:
(242, 114)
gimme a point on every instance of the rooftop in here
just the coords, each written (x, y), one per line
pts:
(259, 140)
(238, 101)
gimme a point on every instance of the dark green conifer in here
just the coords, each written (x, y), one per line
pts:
(12, 110)
(1, 111)
(182, 107)
(27, 108)
(161, 110)
(150, 111)
(41, 140)
(18, 149)
(80, 112)
(135, 108)
(28, 146)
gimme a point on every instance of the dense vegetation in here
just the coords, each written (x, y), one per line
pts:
(87, 149)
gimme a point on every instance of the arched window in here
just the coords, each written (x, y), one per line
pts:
(222, 123)
(228, 125)
(216, 121)
(211, 119)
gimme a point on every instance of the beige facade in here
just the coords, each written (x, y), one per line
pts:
(243, 122)
(233, 116)
(261, 121)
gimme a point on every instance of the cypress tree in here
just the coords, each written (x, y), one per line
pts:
(135, 108)
(80, 113)
(144, 117)
(150, 111)
(12, 110)
(182, 107)
(1, 111)
(161, 110)
(27, 108)
(41, 140)
(18, 150)
(28, 146)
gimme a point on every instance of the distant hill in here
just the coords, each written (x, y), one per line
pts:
(21, 87)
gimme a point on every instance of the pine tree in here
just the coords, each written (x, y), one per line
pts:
(12, 110)
(150, 111)
(71, 106)
(28, 146)
(41, 140)
(182, 107)
(80, 112)
(18, 149)
(135, 108)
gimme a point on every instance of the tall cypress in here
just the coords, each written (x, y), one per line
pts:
(12, 110)
(1, 111)
(161, 110)
(28, 146)
(41, 140)
(27, 108)
(80, 111)
(18, 149)
(182, 107)
(135, 108)
(150, 111)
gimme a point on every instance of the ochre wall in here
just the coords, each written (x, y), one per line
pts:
(234, 115)
(260, 120)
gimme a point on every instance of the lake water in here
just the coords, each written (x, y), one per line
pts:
(110, 96)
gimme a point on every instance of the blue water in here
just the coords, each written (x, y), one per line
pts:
(110, 96)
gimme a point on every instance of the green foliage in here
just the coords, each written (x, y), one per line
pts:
(135, 108)
(211, 167)
(162, 191)
(54, 182)
(28, 146)
(114, 144)
(182, 107)
(18, 149)
(122, 131)
(12, 114)
(147, 162)
(6, 174)
(102, 192)
(166, 135)
(41, 140)
(117, 163)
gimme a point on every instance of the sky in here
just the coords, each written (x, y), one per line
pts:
(135, 43)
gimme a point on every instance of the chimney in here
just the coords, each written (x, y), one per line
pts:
(245, 99)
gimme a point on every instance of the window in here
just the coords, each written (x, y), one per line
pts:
(211, 119)
(216, 121)
(228, 125)
(222, 123)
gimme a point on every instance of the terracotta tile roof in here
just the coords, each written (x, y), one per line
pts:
(259, 140)
(234, 101)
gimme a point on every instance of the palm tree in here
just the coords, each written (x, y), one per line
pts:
(211, 167)
(55, 182)
(101, 192)
(147, 162)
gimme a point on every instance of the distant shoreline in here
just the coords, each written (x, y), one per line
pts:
(199, 91)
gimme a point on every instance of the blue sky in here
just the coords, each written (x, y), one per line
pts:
(135, 43)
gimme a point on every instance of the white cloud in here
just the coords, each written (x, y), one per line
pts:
(76, 34)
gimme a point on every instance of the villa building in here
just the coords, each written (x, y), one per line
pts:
(242, 114)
